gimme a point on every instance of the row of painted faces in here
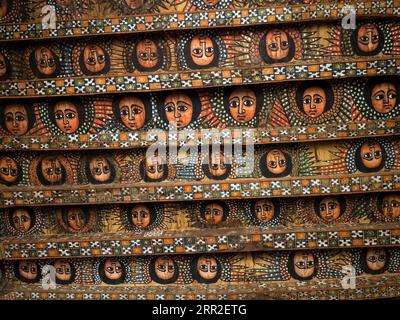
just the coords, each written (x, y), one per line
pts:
(301, 265)
(180, 109)
(100, 169)
(142, 216)
(202, 51)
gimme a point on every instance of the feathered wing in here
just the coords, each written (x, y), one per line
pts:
(337, 165)
(39, 128)
(356, 114)
(235, 265)
(306, 161)
(396, 148)
(111, 219)
(331, 263)
(127, 167)
(242, 50)
(309, 47)
(277, 116)
(117, 57)
(102, 113)
(266, 267)
(361, 212)
(297, 212)
(395, 33)
(334, 48)
(229, 39)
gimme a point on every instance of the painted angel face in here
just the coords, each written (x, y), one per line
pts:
(100, 168)
(141, 216)
(207, 267)
(178, 109)
(134, 4)
(384, 97)
(368, 38)
(264, 210)
(242, 104)
(133, 112)
(376, 259)
(329, 209)
(277, 44)
(304, 264)
(314, 101)
(202, 50)
(28, 269)
(113, 269)
(154, 167)
(66, 116)
(371, 155)
(276, 161)
(52, 169)
(46, 61)
(217, 164)
(63, 270)
(3, 62)
(8, 169)
(147, 53)
(213, 213)
(3, 8)
(22, 220)
(391, 205)
(164, 268)
(16, 119)
(76, 218)
(94, 58)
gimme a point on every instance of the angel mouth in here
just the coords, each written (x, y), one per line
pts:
(241, 118)
(68, 128)
(178, 124)
(16, 132)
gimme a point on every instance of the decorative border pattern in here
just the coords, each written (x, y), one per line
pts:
(370, 288)
(199, 79)
(241, 240)
(197, 20)
(287, 187)
(142, 139)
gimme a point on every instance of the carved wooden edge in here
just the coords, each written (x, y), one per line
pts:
(372, 287)
(242, 240)
(237, 17)
(188, 191)
(143, 139)
(70, 86)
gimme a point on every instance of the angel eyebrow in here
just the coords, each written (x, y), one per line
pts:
(68, 110)
(378, 92)
(180, 101)
(135, 105)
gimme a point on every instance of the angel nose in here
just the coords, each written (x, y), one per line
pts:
(177, 114)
